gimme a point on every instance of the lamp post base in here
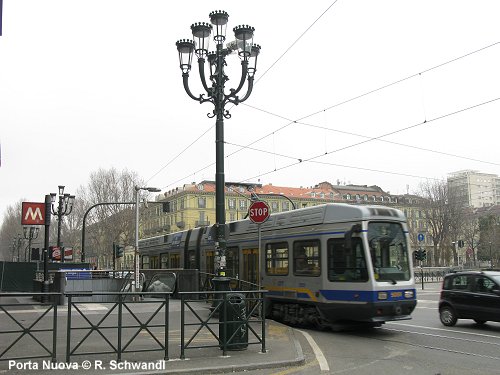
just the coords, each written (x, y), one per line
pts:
(45, 289)
(221, 284)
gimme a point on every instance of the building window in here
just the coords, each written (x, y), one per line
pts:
(202, 202)
(243, 204)
(274, 206)
(231, 203)
(285, 206)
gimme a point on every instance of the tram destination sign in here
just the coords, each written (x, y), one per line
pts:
(259, 212)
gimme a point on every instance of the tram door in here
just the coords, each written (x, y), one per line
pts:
(251, 265)
(209, 262)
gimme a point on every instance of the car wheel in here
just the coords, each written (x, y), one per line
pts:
(479, 321)
(447, 316)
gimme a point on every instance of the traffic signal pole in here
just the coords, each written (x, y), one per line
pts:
(422, 273)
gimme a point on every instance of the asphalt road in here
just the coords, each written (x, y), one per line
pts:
(418, 346)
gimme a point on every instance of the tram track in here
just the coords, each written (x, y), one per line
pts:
(442, 337)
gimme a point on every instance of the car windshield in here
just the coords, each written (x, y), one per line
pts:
(389, 251)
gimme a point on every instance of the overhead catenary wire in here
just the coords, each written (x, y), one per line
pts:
(300, 160)
(339, 104)
(257, 80)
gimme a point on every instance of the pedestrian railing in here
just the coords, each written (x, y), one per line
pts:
(235, 320)
(41, 330)
(128, 323)
(120, 318)
(429, 276)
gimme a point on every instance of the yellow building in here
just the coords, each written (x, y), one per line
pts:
(193, 205)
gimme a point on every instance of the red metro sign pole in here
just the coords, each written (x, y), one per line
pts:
(258, 213)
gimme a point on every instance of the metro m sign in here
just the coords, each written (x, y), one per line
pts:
(33, 213)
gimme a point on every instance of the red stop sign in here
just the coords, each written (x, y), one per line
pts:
(259, 212)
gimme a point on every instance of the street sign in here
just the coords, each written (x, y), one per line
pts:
(259, 212)
(33, 213)
(420, 237)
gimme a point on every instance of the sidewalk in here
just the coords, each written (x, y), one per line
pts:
(282, 347)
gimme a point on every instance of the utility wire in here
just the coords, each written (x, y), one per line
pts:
(295, 42)
(300, 160)
(180, 153)
(327, 108)
(260, 77)
(359, 96)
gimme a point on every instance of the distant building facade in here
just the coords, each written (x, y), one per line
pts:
(475, 189)
(193, 205)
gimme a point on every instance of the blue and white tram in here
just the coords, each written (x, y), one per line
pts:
(322, 265)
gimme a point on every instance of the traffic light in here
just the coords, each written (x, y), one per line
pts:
(117, 250)
(420, 254)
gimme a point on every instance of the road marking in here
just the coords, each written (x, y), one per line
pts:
(323, 363)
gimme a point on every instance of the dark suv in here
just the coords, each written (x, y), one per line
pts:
(470, 295)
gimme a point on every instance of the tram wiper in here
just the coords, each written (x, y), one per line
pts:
(394, 282)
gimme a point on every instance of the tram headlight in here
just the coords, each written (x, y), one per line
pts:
(409, 294)
(382, 295)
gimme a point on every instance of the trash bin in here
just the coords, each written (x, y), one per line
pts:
(236, 334)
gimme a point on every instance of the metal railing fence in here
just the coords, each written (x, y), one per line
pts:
(12, 339)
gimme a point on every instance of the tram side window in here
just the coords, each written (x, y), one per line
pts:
(164, 260)
(306, 261)
(277, 258)
(145, 262)
(346, 264)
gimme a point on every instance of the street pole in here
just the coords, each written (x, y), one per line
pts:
(491, 258)
(65, 206)
(248, 53)
(45, 286)
(18, 244)
(30, 233)
(136, 247)
(136, 252)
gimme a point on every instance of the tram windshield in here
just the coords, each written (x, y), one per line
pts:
(389, 251)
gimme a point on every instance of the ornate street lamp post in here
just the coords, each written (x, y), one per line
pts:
(248, 53)
(30, 233)
(65, 206)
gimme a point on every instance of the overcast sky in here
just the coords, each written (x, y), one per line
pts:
(89, 84)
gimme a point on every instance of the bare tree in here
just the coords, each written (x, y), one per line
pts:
(456, 217)
(11, 227)
(106, 224)
(470, 233)
(437, 216)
